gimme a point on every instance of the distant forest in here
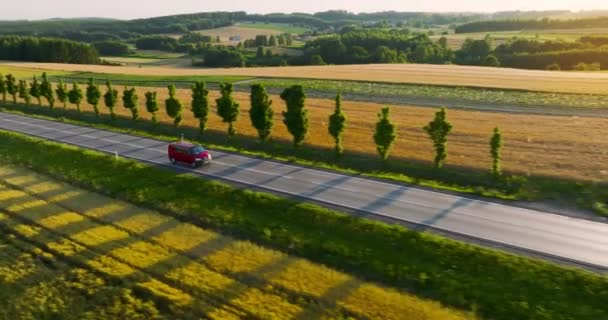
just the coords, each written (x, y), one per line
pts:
(98, 29)
(338, 37)
(532, 24)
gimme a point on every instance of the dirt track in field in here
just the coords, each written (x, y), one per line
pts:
(552, 81)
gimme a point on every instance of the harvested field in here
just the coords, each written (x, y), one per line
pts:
(73, 246)
(552, 81)
(567, 147)
(244, 32)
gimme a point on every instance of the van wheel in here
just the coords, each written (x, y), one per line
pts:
(194, 164)
(172, 160)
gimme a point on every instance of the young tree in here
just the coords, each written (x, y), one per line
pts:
(2, 88)
(93, 95)
(296, 117)
(337, 124)
(129, 101)
(11, 87)
(35, 90)
(261, 113)
(228, 108)
(174, 107)
(385, 134)
(272, 41)
(438, 130)
(46, 90)
(24, 93)
(110, 98)
(62, 93)
(281, 40)
(152, 105)
(75, 96)
(495, 151)
(200, 104)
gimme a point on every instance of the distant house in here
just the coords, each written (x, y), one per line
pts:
(235, 38)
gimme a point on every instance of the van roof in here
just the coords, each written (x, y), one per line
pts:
(183, 144)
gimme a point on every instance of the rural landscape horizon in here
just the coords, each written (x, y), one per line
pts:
(30, 9)
(318, 160)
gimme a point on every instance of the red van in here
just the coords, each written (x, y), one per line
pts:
(188, 153)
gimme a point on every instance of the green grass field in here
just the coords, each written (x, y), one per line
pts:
(497, 285)
(274, 26)
(461, 94)
(28, 73)
(191, 270)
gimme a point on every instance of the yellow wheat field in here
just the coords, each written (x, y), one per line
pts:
(197, 272)
(567, 147)
(570, 82)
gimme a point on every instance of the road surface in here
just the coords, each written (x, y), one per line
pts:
(569, 239)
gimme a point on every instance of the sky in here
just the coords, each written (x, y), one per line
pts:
(129, 9)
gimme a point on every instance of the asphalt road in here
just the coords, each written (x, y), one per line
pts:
(569, 239)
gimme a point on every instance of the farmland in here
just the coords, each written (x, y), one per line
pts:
(283, 28)
(247, 32)
(448, 75)
(449, 271)
(100, 246)
(455, 41)
(566, 147)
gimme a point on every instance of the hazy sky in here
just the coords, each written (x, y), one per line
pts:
(126, 9)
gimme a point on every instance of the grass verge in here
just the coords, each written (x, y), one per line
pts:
(222, 272)
(454, 179)
(494, 284)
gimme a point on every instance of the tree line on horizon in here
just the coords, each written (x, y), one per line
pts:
(261, 114)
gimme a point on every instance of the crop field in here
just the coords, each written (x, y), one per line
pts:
(368, 91)
(283, 28)
(449, 75)
(69, 244)
(29, 73)
(248, 32)
(455, 41)
(392, 93)
(565, 147)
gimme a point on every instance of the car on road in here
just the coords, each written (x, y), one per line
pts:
(191, 154)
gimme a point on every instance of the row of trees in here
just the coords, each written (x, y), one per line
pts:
(263, 40)
(531, 24)
(261, 114)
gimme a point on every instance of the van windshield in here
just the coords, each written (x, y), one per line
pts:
(197, 150)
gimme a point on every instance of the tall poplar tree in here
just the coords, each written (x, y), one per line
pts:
(386, 133)
(174, 107)
(200, 104)
(93, 95)
(62, 93)
(152, 105)
(35, 90)
(75, 96)
(129, 101)
(228, 108)
(12, 87)
(296, 116)
(496, 152)
(261, 113)
(110, 99)
(337, 124)
(438, 131)
(46, 90)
